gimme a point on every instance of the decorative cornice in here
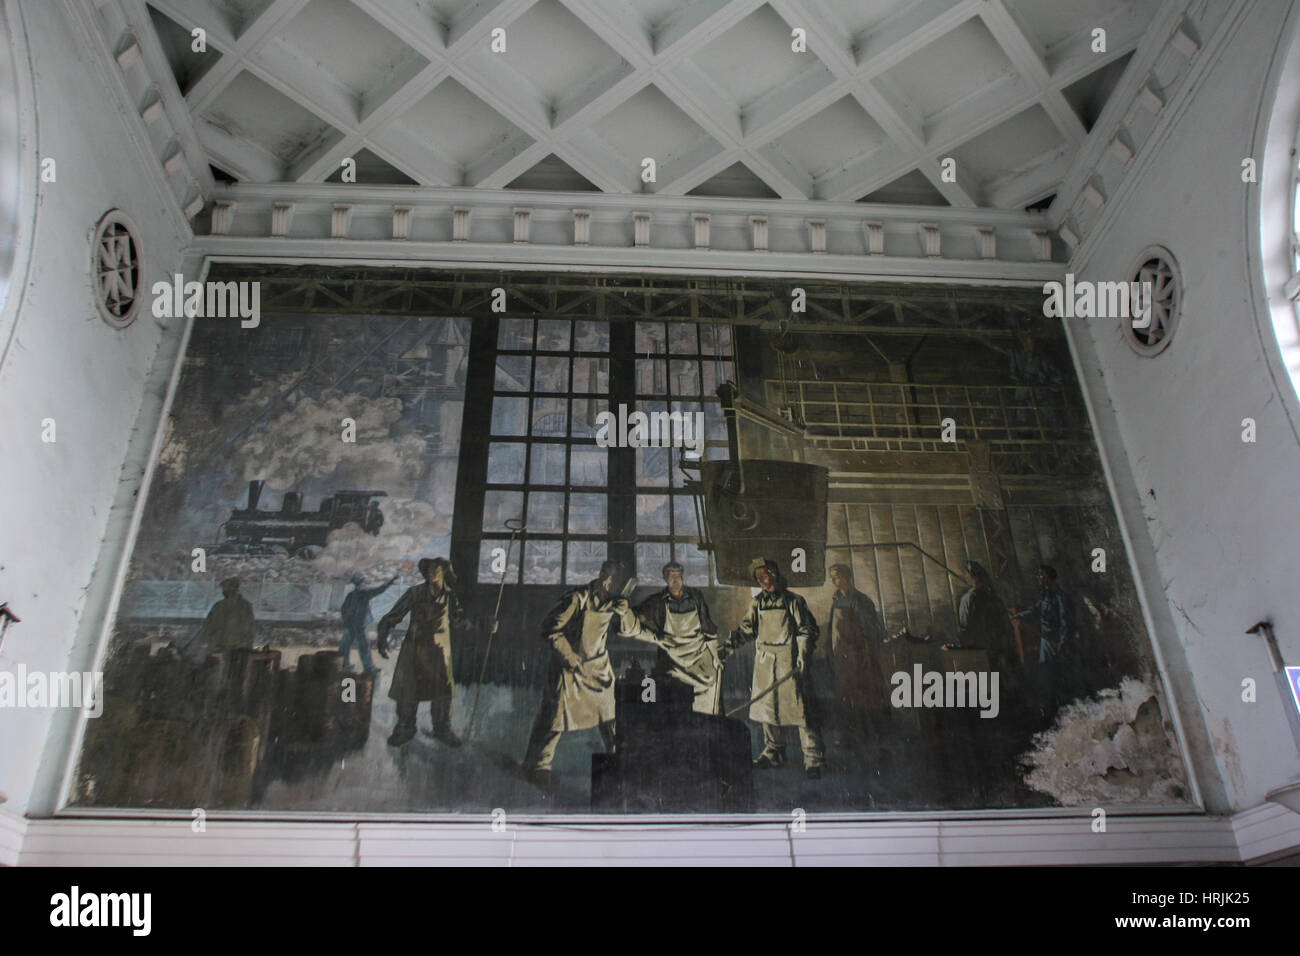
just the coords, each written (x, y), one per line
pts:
(1157, 86)
(518, 227)
(128, 53)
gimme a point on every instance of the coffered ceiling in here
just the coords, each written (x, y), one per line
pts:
(711, 90)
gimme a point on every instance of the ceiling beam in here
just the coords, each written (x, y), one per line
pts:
(897, 126)
(1027, 60)
(247, 161)
(1015, 188)
(696, 25)
(839, 66)
(991, 106)
(318, 165)
(687, 86)
(223, 72)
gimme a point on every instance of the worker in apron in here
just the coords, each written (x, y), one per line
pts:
(579, 689)
(687, 639)
(785, 633)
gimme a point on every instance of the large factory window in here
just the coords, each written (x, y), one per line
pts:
(551, 383)
(544, 466)
(678, 369)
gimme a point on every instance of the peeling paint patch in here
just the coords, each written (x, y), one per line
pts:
(1112, 749)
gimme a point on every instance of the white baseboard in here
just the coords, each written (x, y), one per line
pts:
(1266, 829)
(963, 842)
(12, 831)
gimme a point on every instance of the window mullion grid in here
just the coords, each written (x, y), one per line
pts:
(568, 458)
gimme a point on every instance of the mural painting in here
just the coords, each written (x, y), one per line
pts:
(629, 546)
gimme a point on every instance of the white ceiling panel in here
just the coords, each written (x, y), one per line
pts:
(711, 89)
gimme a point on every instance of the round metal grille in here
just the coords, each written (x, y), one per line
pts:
(117, 269)
(1157, 270)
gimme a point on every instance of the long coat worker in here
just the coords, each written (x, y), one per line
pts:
(423, 670)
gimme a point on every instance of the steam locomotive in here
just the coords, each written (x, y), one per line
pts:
(291, 530)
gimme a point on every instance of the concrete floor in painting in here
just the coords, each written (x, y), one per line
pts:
(904, 772)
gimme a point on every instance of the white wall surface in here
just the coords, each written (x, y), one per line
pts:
(63, 362)
(1222, 515)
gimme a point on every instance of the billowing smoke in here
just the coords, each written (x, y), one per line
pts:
(411, 530)
(305, 441)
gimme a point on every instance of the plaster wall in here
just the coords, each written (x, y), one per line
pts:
(1220, 513)
(62, 362)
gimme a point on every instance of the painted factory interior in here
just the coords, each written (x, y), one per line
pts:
(650, 413)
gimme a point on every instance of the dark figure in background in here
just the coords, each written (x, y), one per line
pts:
(858, 637)
(1055, 613)
(786, 633)
(356, 615)
(423, 670)
(579, 689)
(229, 625)
(984, 621)
(687, 638)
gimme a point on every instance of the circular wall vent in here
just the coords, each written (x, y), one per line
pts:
(1157, 266)
(117, 269)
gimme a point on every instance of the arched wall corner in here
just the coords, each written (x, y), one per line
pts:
(1270, 221)
(19, 162)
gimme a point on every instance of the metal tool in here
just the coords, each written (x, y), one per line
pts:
(754, 700)
(515, 526)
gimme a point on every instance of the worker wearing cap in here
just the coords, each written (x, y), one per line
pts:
(786, 633)
(579, 690)
(356, 615)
